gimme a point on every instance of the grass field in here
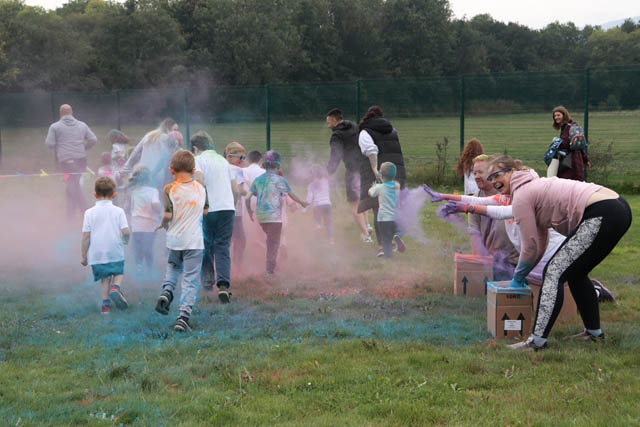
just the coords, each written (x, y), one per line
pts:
(340, 337)
(525, 136)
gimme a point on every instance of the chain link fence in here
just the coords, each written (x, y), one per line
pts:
(508, 112)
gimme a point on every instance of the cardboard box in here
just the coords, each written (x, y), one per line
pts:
(509, 310)
(471, 273)
(569, 310)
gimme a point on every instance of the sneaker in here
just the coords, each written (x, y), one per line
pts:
(604, 294)
(586, 336)
(527, 345)
(164, 301)
(380, 253)
(182, 324)
(106, 309)
(224, 296)
(369, 228)
(399, 243)
(118, 299)
(366, 239)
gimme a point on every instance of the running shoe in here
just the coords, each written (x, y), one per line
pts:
(164, 301)
(399, 243)
(106, 309)
(182, 324)
(604, 294)
(118, 299)
(527, 345)
(587, 336)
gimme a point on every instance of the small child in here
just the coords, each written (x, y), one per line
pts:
(387, 194)
(119, 143)
(103, 231)
(270, 190)
(105, 165)
(234, 152)
(318, 196)
(185, 203)
(144, 204)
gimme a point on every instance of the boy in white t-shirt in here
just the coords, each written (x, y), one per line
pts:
(143, 202)
(185, 202)
(235, 154)
(103, 231)
(214, 172)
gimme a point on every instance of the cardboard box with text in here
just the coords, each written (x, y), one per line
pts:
(509, 310)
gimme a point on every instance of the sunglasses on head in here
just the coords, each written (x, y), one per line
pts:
(496, 174)
(240, 156)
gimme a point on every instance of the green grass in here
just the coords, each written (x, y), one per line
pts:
(341, 338)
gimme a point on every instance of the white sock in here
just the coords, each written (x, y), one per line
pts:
(538, 341)
(595, 332)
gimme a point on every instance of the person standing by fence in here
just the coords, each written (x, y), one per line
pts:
(70, 138)
(579, 159)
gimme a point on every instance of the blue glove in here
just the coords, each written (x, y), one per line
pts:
(518, 282)
(435, 196)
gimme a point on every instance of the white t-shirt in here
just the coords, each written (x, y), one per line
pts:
(105, 221)
(239, 177)
(470, 185)
(318, 192)
(217, 176)
(187, 201)
(251, 172)
(142, 217)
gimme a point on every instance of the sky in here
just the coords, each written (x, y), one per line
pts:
(532, 13)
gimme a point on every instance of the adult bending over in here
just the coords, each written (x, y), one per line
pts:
(593, 219)
(70, 138)
(379, 142)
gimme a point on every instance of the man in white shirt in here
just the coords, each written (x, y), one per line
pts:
(214, 172)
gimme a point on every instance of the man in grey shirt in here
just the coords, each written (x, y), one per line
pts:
(70, 138)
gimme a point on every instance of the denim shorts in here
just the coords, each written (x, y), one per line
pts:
(102, 271)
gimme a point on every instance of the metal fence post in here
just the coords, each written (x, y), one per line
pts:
(186, 118)
(587, 83)
(268, 116)
(357, 100)
(461, 112)
(118, 108)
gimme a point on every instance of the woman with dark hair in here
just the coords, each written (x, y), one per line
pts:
(591, 217)
(464, 168)
(378, 142)
(579, 159)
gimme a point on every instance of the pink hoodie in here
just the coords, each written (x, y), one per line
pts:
(541, 203)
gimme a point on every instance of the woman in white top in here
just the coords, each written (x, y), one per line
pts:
(465, 165)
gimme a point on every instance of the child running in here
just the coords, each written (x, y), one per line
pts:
(270, 190)
(185, 203)
(318, 196)
(235, 154)
(387, 194)
(143, 202)
(103, 231)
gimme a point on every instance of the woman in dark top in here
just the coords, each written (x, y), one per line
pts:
(379, 143)
(579, 159)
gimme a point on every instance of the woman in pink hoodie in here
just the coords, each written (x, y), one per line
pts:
(593, 219)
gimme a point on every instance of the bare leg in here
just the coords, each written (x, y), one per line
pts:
(117, 280)
(106, 284)
(360, 218)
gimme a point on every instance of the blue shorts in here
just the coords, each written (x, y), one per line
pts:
(102, 271)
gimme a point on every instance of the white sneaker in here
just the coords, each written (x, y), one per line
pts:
(366, 239)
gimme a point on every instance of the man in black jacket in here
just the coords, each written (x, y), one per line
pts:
(344, 147)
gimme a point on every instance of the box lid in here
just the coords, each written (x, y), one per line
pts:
(503, 288)
(474, 259)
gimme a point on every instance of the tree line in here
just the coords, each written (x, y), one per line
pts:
(97, 45)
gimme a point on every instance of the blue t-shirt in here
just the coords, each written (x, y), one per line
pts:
(387, 194)
(269, 189)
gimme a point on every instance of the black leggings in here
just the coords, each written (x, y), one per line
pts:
(603, 225)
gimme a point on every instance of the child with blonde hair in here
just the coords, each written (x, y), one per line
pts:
(235, 154)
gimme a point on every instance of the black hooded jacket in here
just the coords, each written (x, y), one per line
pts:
(386, 139)
(344, 146)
